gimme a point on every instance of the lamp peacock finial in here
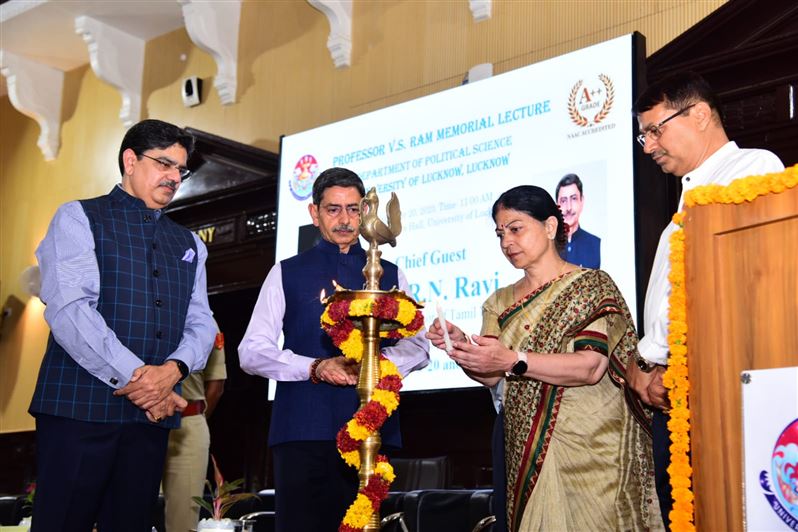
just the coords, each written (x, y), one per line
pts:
(374, 229)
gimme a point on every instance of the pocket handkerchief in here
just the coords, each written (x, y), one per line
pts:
(189, 255)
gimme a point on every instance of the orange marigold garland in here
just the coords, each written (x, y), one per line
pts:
(676, 377)
(336, 321)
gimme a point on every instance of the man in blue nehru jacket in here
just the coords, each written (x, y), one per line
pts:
(316, 392)
(128, 312)
(583, 248)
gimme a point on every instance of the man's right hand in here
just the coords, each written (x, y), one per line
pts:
(648, 385)
(166, 408)
(339, 370)
(150, 385)
(657, 392)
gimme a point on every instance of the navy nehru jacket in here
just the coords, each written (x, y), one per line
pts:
(304, 411)
(145, 290)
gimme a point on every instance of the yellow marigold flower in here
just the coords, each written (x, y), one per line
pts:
(356, 430)
(683, 494)
(359, 513)
(682, 447)
(680, 469)
(385, 470)
(777, 186)
(679, 327)
(388, 368)
(352, 458)
(406, 312)
(387, 399)
(678, 350)
(325, 317)
(352, 347)
(678, 425)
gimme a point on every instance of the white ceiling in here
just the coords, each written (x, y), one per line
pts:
(44, 30)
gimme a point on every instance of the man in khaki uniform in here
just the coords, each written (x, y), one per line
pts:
(187, 455)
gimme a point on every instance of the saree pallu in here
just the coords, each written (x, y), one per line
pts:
(577, 457)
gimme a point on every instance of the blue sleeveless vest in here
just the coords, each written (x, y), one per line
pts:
(304, 411)
(145, 289)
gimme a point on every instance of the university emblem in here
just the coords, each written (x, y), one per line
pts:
(590, 103)
(781, 490)
(301, 182)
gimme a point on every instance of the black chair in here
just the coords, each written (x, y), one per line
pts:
(481, 514)
(11, 510)
(437, 510)
(421, 473)
(266, 499)
(260, 521)
(391, 513)
(158, 518)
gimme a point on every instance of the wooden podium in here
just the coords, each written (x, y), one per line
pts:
(741, 264)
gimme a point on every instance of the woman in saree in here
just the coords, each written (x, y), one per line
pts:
(577, 446)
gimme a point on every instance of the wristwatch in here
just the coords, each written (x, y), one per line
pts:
(644, 365)
(182, 367)
(520, 367)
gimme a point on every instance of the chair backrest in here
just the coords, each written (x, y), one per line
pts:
(479, 508)
(421, 473)
(438, 510)
(10, 509)
(261, 521)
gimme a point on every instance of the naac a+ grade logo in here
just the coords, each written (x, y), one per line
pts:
(590, 103)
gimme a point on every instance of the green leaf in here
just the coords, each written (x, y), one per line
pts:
(203, 503)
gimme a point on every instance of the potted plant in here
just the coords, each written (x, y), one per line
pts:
(27, 504)
(222, 499)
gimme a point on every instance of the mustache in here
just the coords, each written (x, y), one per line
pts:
(170, 184)
(343, 228)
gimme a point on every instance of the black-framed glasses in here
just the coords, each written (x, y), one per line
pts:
(164, 165)
(655, 130)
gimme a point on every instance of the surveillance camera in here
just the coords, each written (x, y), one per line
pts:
(192, 88)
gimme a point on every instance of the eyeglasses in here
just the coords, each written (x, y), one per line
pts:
(164, 165)
(333, 211)
(655, 130)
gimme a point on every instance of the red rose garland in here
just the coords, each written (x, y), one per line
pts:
(384, 399)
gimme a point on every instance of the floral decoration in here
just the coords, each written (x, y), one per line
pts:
(676, 376)
(384, 400)
(337, 322)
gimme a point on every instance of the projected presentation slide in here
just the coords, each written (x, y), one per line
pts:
(448, 157)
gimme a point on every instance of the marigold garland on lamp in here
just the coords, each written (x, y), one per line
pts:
(399, 317)
(356, 320)
(676, 376)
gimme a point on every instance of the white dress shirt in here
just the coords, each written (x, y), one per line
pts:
(721, 168)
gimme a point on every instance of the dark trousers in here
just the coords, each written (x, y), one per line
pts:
(499, 475)
(661, 437)
(108, 473)
(313, 486)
